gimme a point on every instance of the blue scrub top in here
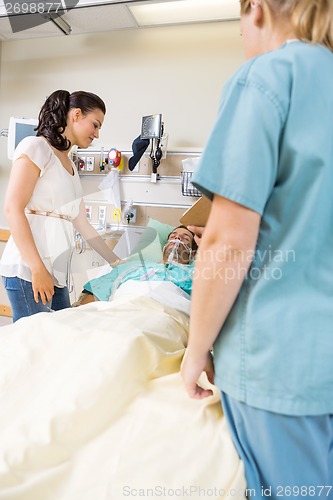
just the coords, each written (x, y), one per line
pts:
(271, 150)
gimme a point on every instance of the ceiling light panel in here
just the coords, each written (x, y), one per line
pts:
(184, 11)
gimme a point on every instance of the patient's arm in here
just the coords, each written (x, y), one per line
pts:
(85, 297)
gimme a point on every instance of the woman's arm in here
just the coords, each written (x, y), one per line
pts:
(89, 233)
(22, 181)
(223, 259)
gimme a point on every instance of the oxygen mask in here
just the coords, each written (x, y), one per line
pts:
(178, 247)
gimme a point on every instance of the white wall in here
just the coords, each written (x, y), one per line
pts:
(178, 71)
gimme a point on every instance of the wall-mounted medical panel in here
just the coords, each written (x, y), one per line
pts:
(164, 197)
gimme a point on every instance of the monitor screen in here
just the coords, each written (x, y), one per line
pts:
(18, 129)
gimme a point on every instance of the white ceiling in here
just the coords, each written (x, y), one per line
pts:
(81, 19)
(114, 15)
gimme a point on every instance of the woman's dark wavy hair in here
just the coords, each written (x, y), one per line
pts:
(52, 119)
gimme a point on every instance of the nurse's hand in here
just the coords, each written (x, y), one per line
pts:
(42, 285)
(191, 369)
(198, 231)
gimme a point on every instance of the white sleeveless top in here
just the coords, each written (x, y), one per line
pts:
(56, 191)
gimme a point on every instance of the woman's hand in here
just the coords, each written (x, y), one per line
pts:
(42, 285)
(89, 233)
(191, 369)
(198, 232)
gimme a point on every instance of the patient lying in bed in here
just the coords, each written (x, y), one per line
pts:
(176, 268)
(93, 406)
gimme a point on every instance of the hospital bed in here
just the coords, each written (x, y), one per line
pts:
(93, 406)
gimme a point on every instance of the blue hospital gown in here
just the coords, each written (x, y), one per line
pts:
(103, 287)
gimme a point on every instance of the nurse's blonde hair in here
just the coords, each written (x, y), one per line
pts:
(312, 20)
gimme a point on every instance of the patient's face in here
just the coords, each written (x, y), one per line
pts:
(184, 247)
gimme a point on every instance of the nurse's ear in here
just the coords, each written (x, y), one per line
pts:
(258, 13)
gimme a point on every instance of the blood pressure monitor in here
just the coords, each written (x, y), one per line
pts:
(151, 127)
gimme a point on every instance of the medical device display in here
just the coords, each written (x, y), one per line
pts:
(18, 129)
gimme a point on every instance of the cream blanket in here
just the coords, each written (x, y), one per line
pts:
(93, 408)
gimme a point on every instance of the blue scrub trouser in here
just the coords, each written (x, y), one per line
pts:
(21, 298)
(284, 456)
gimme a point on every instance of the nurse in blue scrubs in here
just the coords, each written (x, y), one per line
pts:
(263, 287)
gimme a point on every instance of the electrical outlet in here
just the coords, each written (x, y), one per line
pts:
(116, 215)
(89, 212)
(90, 163)
(102, 216)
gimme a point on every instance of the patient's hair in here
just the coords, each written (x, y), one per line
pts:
(311, 20)
(52, 119)
(194, 244)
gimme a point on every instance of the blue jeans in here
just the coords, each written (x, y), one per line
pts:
(284, 456)
(21, 298)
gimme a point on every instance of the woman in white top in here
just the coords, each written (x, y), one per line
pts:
(44, 200)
